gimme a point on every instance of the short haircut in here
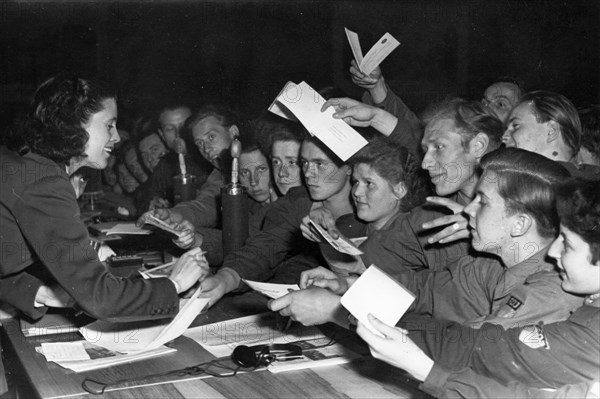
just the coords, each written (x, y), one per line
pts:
(396, 164)
(549, 106)
(225, 115)
(470, 118)
(519, 83)
(307, 137)
(578, 204)
(61, 106)
(526, 181)
(268, 129)
(590, 129)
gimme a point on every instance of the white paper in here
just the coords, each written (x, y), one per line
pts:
(221, 338)
(61, 351)
(105, 252)
(377, 293)
(305, 103)
(127, 228)
(314, 357)
(270, 289)
(375, 55)
(137, 336)
(161, 224)
(340, 244)
(355, 46)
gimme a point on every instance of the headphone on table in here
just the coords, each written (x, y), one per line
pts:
(263, 355)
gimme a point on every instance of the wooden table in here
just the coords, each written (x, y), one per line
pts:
(365, 378)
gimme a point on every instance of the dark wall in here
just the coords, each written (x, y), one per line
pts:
(246, 50)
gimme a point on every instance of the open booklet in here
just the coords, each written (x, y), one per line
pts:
(377, 293)
(222, 338)
(301, 102)
(376, 54)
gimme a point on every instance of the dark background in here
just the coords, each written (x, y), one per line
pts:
(157, 51)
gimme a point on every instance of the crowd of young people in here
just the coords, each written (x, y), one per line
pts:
(488, 211)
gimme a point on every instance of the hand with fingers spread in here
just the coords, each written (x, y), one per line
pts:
(312, 306)
(457, 222)
(395, 348)
(356, 113)
(191, 267)
(323, 278)
(325, 219)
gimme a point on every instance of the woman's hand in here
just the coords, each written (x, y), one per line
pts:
(191, 267)
(395, 348)
(188, 237)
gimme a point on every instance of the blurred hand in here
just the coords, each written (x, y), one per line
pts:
(458, 222)
(54, 297)
(170, 216)
(323, 278)
(158, 203)
(189, 238)
(367, 82)
(312, 306)
(189, 268)
(395, 348)
(324, 218)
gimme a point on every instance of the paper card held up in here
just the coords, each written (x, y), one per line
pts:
(271, 290)
(377, 293)
(305, 104)
(376, 54)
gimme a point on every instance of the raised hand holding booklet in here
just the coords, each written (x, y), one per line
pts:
(376, 54)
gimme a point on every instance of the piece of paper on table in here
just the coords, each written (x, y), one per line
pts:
(316, 355)
(127, 228)
(379, 294)
(340, 244)
(271, 290)
(61, 351)
(97, 357)
(146, 335)
(221, 338)
(306, 103)
(375, 55)
(105, 252)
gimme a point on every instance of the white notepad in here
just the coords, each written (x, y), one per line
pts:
(377, 293)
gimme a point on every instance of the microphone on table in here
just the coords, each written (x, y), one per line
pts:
(234, 200)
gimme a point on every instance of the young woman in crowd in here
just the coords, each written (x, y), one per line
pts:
(46, 251)
(525, 361)
(387, 182)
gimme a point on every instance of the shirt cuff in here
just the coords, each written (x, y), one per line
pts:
(435, 381)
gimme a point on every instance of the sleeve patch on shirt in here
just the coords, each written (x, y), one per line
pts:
(514, 303)
(533, 336)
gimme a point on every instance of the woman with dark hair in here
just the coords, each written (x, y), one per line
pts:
(47, 259)
(552, 360)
